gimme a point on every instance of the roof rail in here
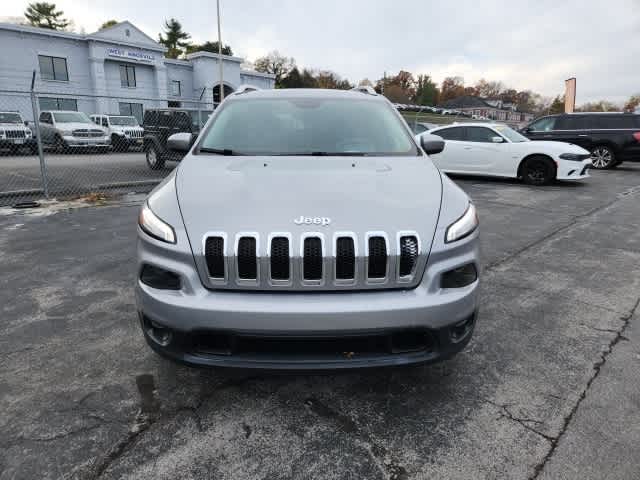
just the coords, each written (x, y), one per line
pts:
(245, 89)
(365, 89)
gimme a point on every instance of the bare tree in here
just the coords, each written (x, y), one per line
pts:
(275, 64)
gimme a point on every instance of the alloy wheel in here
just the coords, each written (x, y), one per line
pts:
(601, 157)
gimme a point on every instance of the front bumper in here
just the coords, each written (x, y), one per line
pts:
(571, 170)
(17, 142)
(87, 142)
(304, 318)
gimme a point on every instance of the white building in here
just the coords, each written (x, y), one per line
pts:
(118, 70)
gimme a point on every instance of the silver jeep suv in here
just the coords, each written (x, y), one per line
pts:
(306, 229)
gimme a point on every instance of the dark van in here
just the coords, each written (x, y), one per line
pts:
(612, 138)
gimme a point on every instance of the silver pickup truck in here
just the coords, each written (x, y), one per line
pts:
(68, 129)
(307, 229)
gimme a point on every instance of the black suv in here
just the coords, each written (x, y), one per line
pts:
(610, 137)
(160, 123)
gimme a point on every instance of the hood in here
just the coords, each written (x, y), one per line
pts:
(16, 126)
(557, 147)
(266, 194)
(76, 125)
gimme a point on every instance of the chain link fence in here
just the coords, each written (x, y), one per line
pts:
(65, 146)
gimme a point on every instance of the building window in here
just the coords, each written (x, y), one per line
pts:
(127, 76)
(53, 68)
(173, 104)
(175, 88)
(49, 103)
(132, 109)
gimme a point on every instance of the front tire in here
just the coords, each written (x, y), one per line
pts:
(152, 155)
(538, 171)
(602, 157)
(60, 145)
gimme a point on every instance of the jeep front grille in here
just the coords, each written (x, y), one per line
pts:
(15, 133)
(312, 260)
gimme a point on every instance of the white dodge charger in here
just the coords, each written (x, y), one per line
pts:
(497, 150)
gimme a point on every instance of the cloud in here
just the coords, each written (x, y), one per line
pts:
(535, 45)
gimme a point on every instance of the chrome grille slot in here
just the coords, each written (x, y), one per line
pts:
(408, 255)
(377, 262)
(312, 259)
(247, 260)
(15, 133)
(345, 258)
(280, 258)
(214, 255)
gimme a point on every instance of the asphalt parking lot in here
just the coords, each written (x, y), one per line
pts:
(75, 172)
(548, 388)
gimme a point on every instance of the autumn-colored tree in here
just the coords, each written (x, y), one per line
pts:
(328, 79)
(488, 89)
(452, 87)
(471, 91)
(632, 104)
(396, 94)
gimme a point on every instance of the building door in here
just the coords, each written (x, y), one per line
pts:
(216, 92)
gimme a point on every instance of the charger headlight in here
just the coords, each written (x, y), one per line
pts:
(464, 226)
(154, 227)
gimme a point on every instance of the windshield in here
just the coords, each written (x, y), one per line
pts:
(10, 118)
(308, 126)
(511, 134)
(128, 121)
(71, 117)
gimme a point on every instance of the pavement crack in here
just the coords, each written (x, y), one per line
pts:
(525, 422)
(597, 367)
(382, 458)
(141, 423)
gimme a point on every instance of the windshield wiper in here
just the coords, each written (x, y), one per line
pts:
(326, 154)
(218, 151)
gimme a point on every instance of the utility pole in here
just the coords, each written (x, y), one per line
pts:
(220, 52)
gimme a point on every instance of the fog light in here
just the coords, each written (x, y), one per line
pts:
(159, 278)
(460, 330)
(459, 277)
(160, 335)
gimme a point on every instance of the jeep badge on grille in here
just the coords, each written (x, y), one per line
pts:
(302, 220)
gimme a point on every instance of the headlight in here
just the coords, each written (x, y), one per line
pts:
(577, 157)
(155, 227)
(464, 226)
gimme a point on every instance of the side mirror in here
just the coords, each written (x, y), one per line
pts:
(431, 144)
(527, 129)
(497, 139)
(179, 142)
(26, 123)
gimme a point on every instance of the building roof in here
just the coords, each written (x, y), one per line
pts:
(470, 101)
(466, 101)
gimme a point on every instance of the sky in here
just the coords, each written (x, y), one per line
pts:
(532, 45)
